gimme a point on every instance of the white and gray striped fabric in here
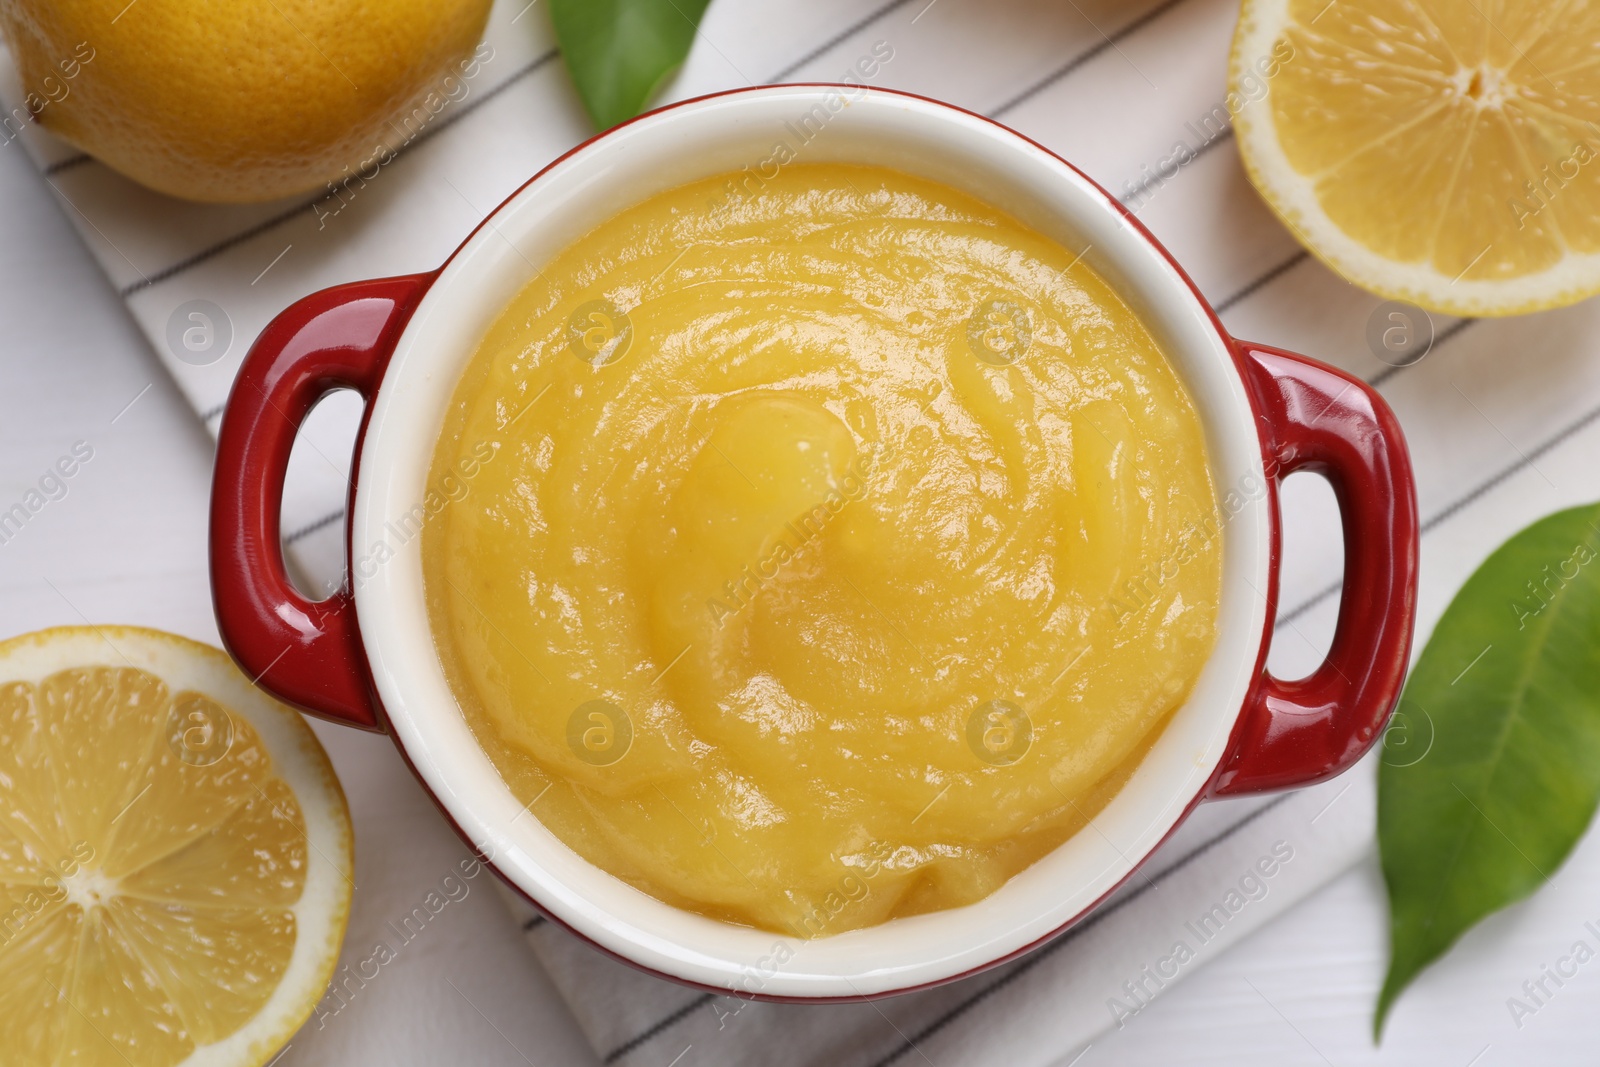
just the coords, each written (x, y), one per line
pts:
(1206, 888)
(1501, 417)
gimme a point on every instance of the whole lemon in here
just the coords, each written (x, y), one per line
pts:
(240, 100)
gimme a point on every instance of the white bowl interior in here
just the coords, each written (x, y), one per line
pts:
(656, 153)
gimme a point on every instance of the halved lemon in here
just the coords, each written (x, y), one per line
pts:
(175, 856)
(1444, 152)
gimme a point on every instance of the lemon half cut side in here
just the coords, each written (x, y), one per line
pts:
(1442, 152)
(175, 856)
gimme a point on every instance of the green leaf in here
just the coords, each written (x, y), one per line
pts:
(1491, 768)
(620, 51)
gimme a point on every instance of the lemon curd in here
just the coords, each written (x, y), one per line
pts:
(842, 546)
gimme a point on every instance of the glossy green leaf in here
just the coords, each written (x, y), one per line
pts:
(620, 51)
(1491, 768)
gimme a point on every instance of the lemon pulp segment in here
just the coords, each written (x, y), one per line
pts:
(1438, 150)
(153, 871)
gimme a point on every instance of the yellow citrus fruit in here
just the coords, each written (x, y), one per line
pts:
(175, 856)
(238, 100)
(1443, 152)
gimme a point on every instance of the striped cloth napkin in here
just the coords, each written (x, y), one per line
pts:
(1133, 92)
(1230, 868)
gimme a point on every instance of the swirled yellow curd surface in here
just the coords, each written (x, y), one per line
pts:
(841, 546)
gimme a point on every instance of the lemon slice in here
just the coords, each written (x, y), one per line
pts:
(1443, 152)
(175, 856)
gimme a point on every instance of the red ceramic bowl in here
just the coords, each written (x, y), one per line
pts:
(366, 656)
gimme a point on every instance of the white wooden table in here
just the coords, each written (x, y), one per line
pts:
(126, 544)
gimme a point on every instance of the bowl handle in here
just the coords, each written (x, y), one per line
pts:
(307, 652)
(1314, 418)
